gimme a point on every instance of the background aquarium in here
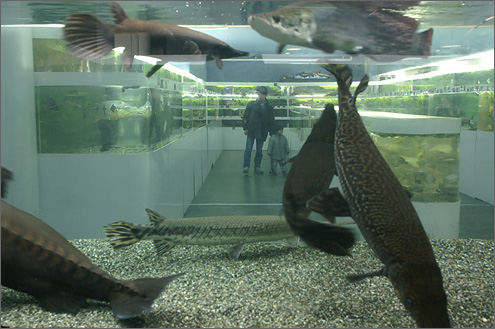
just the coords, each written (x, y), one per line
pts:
(91, 142)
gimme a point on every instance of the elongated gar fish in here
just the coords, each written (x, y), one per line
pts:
(205, 231)
(39, 261)
(355, 27)
(311, 173)
(383, 212)
(89, 38)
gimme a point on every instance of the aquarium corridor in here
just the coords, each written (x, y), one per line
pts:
(227, 191)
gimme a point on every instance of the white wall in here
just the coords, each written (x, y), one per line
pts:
(476, 165)
(18, 119)
(83, 192)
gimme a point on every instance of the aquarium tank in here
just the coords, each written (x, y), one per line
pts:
(172, 164)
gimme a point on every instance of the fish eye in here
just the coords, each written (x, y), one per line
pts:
(408, 303)
(276, 19)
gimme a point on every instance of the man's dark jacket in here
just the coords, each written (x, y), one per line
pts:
(258, 123)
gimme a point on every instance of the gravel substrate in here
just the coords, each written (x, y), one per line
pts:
(270, 285)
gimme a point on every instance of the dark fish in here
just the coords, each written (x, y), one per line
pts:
(6, 176)
(89, 38)
(39, 261)
(383, 212)
(355, 27)
(312, 172)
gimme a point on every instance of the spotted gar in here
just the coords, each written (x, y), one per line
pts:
(311, 173)
(383, 212)
(39, 261)
(206, 231)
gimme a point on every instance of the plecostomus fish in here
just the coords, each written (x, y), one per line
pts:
(311, 173)
(90, 38)
(355, 27)
(383, 212)
(39, 261)
(205, 231)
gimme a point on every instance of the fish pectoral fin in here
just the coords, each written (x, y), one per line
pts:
(333, 239)
(163, 246)
(293, 242)
(329, 203)
(191, 48)
(218, 61)
(280, 48)
(236, 250)
(358, 277)
(325, 46)
(61, 302)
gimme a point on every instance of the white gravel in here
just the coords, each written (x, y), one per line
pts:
(271, 285)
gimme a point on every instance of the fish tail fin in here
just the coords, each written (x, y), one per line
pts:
(6, 176)
(126, 305)
(422, 42)
(333, 239)
(87, 36)
(123, 234)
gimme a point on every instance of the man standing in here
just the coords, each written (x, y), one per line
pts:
(258, 120)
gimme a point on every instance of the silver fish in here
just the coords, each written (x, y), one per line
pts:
(325, 25)
(205, 231)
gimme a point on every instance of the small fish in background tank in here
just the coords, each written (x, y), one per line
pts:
(91, 119)
(426, 165)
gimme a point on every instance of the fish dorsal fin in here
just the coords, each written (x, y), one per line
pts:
(118, 13)
(362, 85)
(155, 218)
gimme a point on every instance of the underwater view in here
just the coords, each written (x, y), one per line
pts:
(247, 164)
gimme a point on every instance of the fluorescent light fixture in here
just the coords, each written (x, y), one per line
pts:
(119, 50)
(476, 62)
(179, 71)
(147, 59)
(304, 58)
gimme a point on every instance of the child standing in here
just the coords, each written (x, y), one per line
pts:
(278, 151)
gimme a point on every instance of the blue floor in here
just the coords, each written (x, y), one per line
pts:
(227, 191)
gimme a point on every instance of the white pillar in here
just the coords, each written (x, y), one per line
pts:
(18, 117)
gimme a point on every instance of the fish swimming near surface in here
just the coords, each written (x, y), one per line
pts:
(39, 261)
(382, 209)
(205, 231)
(311, 173)
(355, 27)
(117, 109)
(90, 38)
